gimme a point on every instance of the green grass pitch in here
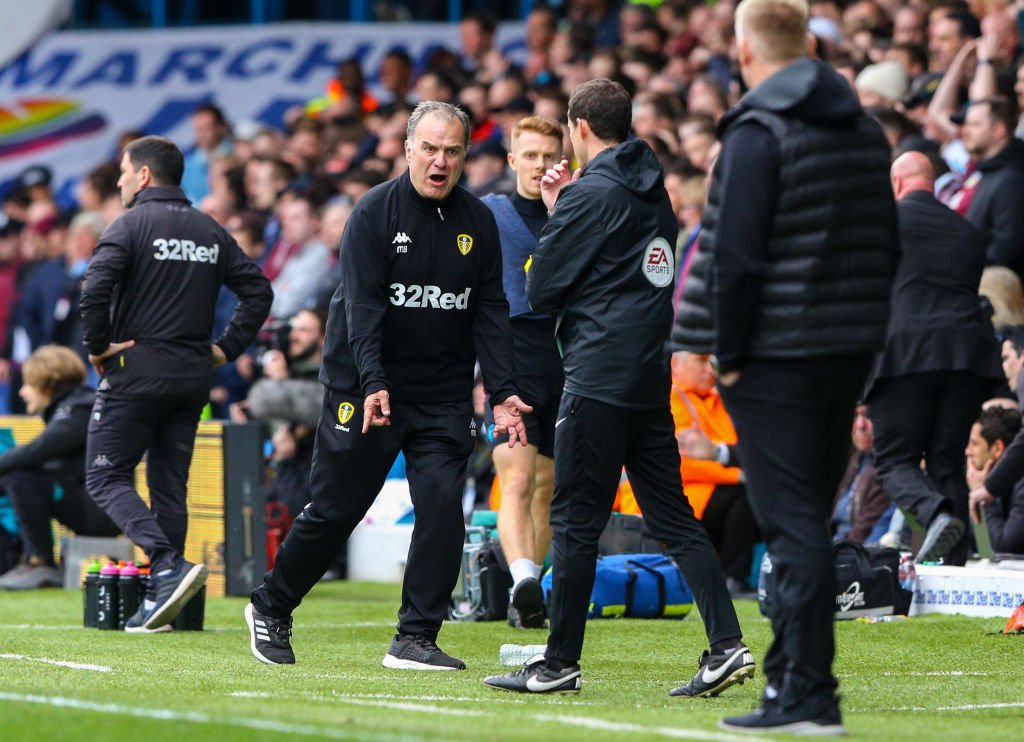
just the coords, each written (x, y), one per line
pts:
(930, 678)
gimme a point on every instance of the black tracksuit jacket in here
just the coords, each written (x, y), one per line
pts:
(60, 448)
(154, 279)
(420, 299)
(605, 265)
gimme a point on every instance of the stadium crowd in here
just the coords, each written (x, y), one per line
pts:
(944, 78)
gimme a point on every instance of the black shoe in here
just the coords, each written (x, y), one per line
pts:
(270, 638)
(942, 535)
(418, 653)
(717, 672)
(771, 718)
(535, 677)
(528, 600)
(173, 591)
(135, 624)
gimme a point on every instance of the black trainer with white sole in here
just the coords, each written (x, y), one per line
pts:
(718, 672)
(418, 653)
(536, 677)
(173, 590)
(134, 624)
(269, 638)
(528, 600)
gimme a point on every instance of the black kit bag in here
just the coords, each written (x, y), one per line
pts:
(627, 534)
(867, 582)
(481, 593)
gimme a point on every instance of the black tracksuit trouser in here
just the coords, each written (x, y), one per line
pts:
(348, 472)
(926, 416)
(35, 504)
(121, 431)
(593, 441)
(793, 420)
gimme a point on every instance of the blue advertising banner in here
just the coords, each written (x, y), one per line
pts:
(65, 101)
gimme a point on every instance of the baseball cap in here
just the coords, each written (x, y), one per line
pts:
(35, 175)
(922, 89)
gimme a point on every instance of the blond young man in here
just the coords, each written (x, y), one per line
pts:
(527, 474)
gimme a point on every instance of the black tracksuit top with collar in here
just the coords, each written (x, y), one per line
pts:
(154, 278)
(420, 299)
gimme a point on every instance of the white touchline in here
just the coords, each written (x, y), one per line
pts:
(195, 717)
(611, 726)
(58, 663)
(965, 707)
(42, 627)
(614, 726)
(413, 707)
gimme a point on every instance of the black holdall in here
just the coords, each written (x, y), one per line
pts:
(867, 582)
(481, 593)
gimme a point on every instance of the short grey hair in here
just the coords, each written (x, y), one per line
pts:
(445, 111)
(91, 220)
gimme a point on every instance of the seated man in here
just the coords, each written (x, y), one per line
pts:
(712, 479)
(45, 478)
(860, 501)
(990, 435)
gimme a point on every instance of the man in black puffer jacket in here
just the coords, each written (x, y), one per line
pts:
(799, 245)
(45, 478)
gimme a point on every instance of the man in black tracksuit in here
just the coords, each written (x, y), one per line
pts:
(420, 300)
(800, 246)
(147, 307)
(605, 265)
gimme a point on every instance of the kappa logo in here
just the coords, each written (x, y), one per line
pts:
(101, 462)
(472, 428)
(345, 412)
(401, 238)
(658, 265)
(852, 597)
(465, 243)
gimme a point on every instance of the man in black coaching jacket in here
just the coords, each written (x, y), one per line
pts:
(605, 266)
(420, 301)
(147, 307)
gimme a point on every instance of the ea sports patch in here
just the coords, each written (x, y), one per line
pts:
(345, 412)
(465, 243)
(658, 265)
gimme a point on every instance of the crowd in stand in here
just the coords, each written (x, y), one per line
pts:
(942, 77)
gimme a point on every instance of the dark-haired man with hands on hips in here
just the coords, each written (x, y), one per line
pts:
(147, 305)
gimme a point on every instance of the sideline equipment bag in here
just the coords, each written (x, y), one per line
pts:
(867, 582)
(636, 586)
(481, 593)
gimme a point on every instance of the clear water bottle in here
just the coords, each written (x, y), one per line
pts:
(907, 574)
(518, 654)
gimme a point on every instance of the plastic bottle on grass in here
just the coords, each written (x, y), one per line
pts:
(92, 578)
(518, 654)
(907, 573)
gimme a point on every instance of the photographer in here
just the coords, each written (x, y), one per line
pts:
(289, 389)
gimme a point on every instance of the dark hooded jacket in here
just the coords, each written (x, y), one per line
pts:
(799, 244)
(60, 448)
(605, 267)
(997, 207)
